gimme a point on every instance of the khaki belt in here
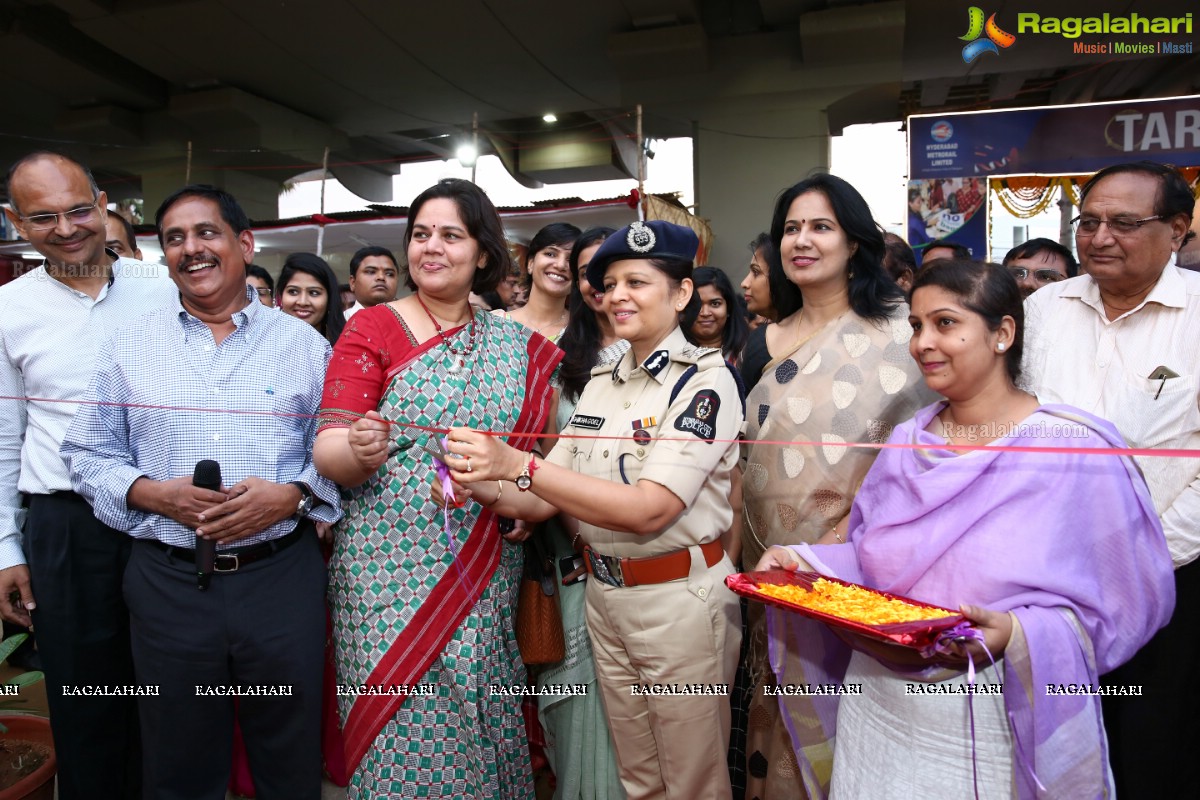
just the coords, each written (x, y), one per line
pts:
(624, 572)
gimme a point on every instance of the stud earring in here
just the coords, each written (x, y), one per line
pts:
(1000, 347)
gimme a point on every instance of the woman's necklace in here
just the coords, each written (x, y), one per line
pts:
(460, 356)
(557, 322)
(802, 340)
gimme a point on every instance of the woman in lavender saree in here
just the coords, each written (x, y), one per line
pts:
(1057, 558)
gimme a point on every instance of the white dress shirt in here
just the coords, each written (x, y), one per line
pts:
(1075, 355)
(352, 310)
(49, 337)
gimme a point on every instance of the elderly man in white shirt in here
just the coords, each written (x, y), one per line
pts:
(53, 320)
(1123, 342)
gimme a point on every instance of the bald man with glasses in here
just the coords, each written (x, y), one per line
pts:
(66, 574)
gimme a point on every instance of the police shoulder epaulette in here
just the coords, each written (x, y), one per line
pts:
(703, 357)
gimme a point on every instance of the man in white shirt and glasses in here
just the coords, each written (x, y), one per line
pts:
(1123, 342)
(67, 577)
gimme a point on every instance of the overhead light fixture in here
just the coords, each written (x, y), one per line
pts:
(466, 154)
(549, 118)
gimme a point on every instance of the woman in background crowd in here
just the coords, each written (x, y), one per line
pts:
(308, 290)
(579, 744)
(762, 285)
(1059, 591)
(423, 595)
(550, 284)
(717, 322)
(840, 373)
(550, 281)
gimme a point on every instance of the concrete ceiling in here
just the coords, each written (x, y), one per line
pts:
(258, 89)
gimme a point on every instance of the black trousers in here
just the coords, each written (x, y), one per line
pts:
(261, 628)
(1152, 738)
(76, 564)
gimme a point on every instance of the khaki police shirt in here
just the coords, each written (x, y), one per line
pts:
(633, 400)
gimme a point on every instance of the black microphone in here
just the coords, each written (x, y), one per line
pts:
(206, 476)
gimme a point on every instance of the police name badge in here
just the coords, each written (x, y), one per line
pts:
(587, 422)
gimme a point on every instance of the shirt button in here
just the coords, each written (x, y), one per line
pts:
(216, 390)
(702, 593)
(574, 449)
(606, 454)
(1101, 363)
(216, 436)
(627, 404)
(641, 452)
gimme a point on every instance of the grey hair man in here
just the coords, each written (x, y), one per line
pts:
(1123, 342)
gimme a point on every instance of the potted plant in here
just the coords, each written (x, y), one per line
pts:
(27, 763)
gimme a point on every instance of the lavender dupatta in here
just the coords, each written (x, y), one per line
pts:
(1069, 542)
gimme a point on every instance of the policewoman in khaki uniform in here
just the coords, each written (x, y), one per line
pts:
(648, 479)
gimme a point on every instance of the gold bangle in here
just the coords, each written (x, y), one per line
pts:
(499, 494)
(575, 539)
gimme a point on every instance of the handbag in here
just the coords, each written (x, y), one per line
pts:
(539, 621)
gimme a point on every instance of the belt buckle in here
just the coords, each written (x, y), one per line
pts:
(217, 562)
(606, 570)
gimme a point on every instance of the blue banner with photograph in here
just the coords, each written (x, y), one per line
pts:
(1054, 140)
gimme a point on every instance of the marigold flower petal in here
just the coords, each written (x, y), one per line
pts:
(854, 603)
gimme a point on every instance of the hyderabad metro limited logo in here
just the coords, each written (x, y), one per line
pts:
(976, 29)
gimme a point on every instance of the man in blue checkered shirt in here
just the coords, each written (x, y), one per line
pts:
(215, 375)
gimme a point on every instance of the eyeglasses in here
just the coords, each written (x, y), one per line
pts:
(1039, 275)
(1117, 226)
(262, 292)
(76, 216)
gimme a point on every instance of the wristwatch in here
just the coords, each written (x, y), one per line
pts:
(525, 479)
(306, 499)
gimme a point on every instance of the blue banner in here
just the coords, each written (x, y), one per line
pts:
(1055, 140)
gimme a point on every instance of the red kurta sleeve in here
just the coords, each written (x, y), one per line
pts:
(358, 371)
